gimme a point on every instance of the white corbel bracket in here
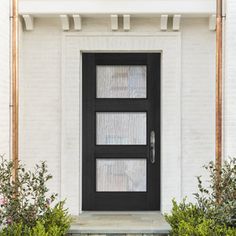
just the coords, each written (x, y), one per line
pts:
(126, 22)
(114, 22)
(77, 22)
(29, 22)
(176, 22)
(164, 22)
(65, 22)
(212, 22)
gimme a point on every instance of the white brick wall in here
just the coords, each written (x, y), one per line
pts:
(230, 80)
(4, 78)
(40, 122)
(40, 97)
(198, 100)
(170, 45)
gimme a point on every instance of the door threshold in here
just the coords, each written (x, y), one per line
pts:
(128, 222)
(118, 212)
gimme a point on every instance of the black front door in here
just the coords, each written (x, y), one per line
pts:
(121, 131)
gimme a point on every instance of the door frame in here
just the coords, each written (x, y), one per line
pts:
(73, 44)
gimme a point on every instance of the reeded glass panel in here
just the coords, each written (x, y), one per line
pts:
(121, 81)
(121, 175)
(117, 128)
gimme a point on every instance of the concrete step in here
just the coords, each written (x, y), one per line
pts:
(119, 224)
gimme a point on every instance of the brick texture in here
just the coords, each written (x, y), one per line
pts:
(40, 97)
(40, 123)
(198, 96)
(230, 81)
(4, 78)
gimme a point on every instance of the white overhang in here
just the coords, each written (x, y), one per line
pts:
(41, 8)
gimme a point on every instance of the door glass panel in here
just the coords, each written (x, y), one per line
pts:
(121, 175)
(121, 81)
(121, 128)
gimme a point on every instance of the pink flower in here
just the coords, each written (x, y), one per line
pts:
(48, 200)
(9, 221)
(3, 201)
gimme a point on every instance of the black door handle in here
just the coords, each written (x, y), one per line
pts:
(152, 147)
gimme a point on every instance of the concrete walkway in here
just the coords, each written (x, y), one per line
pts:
(122, 223)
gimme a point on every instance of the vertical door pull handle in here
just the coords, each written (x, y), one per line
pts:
(152, 147)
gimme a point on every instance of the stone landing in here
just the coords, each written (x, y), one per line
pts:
(119, 224)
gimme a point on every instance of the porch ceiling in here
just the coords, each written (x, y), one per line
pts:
(39, 8)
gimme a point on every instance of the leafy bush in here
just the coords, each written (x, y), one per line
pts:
(54, 223)
(25, 208)
(210, 215)
(184, 212)
(222, 211)
(187, 219)
(56, 220)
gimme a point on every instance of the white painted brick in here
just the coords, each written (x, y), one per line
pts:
(198, 106)
(230, 80)
(170, 164)
(40, 133)
(4, 78)
(40, 93)
(40, 97)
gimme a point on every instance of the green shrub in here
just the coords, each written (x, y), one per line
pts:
(209, 216)
(25, 208)
(17, 229)
(222, 211)
(205, 228)
(187, 219)
(183, 213)
(56, 220)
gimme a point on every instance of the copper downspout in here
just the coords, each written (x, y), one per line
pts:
(14, 87)
(218, 158)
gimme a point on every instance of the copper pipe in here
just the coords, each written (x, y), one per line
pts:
(218, 158)
(14, 88)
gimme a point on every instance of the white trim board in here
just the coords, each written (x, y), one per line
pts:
(98, 7)
(169, 44)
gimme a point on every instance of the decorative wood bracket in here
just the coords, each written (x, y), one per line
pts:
(65, 22)
(176, 22)
(114, 22)
(212, 22)
(77, 22)
(126, 22)
(29, 22)
(164, 22)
